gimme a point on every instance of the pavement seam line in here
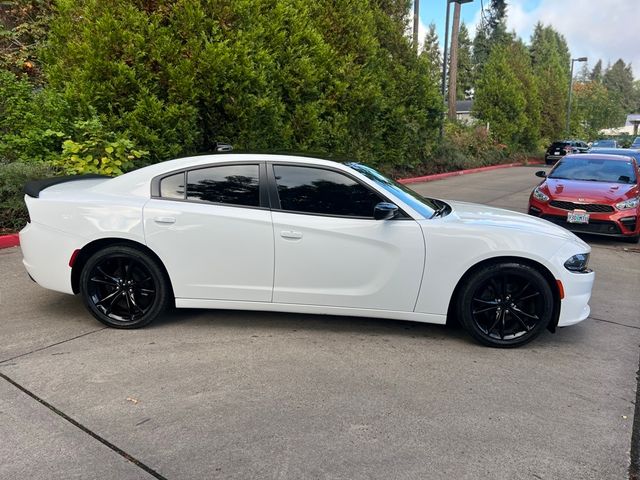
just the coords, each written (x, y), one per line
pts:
(615, 323)
(77, 424)
(52, 345)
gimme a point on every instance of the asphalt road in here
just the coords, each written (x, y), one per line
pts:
(223, 394)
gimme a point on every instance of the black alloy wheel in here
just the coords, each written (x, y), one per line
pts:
(123, 287)
(506, 305)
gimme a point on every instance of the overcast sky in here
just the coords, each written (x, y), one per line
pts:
(597, 29)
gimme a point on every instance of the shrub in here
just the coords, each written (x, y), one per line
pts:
(97, 151)
(13, 176)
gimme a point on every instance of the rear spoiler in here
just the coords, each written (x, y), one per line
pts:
(34, 187)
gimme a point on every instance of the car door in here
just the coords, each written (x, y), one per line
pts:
(215, 236)
(329, 250)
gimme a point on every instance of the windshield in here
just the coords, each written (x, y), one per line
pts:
(594, 170)
(424, 206)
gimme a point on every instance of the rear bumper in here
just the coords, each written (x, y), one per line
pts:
(46, 253)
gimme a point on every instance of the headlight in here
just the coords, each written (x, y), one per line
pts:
(539, 195)
(577, 263)
(627, 204)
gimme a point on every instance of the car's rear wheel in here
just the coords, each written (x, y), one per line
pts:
(124, 287)
(506, 305)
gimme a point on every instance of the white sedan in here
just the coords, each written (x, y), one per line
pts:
(296, 234)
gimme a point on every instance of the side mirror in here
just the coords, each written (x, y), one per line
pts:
(541, 174)
(385, 211)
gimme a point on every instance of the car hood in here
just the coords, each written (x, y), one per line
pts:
(590, 192)
(485, 216)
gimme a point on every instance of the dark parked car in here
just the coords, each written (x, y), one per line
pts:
(604, 143)
(559, 149)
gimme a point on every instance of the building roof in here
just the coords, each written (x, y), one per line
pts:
(464, 106)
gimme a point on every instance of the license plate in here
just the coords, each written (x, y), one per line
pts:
(578, 216)
(558, 152)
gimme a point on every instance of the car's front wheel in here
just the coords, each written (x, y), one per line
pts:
(505, 305)
(124, 287)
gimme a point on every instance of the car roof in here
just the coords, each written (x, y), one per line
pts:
(602, 156)
(137, 181)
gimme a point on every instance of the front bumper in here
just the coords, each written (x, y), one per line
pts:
(619, 223)
(574, 307)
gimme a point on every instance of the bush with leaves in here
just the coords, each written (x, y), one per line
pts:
(97, 151)
(336, 78)
(13, 176)
(30, 120)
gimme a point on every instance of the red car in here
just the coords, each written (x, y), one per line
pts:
(591, 193)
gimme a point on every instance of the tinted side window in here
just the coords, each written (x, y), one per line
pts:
(230, 184)
(173, 186)
(314, 190)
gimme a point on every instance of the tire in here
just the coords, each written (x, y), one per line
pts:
(124, 287)
(505, 305)
(634, 239)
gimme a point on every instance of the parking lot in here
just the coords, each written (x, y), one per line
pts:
(231, 394)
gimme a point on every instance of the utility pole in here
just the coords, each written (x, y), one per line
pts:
(444, 55)
(568, 129)
(416, 23)
(453, 68)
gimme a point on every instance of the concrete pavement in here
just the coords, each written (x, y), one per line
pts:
(223, 394)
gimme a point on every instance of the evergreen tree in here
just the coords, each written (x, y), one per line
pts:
(500, 99)
(550, 61)
(596, 73)
(618, 79)
(431, 49)
(337, 78)
(520, 62)
(465, 64)
(497, 21)
(491, 31)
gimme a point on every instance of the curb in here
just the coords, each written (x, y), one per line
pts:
(439, 176)
(11, 240)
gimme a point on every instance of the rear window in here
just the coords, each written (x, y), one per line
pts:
(558, 145)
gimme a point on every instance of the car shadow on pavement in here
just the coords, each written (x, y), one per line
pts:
(277, 322)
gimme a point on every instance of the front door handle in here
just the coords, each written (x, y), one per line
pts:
(165, 220)
(291, 234)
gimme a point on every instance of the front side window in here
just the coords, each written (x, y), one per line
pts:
(315, 190)
(228, 184)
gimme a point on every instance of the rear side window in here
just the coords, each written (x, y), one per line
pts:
(315, 190)
(228, 184)
(173, 186)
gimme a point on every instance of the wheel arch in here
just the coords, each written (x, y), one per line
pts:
(542, 269)
(96, 245)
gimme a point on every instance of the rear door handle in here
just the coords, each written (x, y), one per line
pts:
(291, 234)
(165, 220)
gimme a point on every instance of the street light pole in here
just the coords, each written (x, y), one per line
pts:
(581, 59)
